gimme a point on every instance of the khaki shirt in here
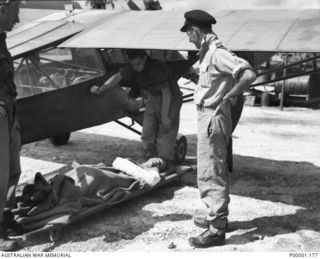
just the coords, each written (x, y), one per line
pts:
(218, 66)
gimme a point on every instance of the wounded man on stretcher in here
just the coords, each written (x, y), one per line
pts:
(57, 200)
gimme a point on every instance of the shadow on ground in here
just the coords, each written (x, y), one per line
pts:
(91, 149)
(106, 224)
(289, 182)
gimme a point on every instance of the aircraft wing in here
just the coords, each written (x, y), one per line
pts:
(241, 30)
(42, 28)
(40, 36)
(28, 15)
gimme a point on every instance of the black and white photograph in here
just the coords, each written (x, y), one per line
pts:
(160, 127)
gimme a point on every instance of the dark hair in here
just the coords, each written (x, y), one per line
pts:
(136, 53)
(205, 28)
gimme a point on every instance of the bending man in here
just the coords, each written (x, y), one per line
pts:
(162, 99)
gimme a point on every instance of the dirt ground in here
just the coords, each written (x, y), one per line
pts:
(275, 188)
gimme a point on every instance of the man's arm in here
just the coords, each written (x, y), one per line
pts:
(246, 78)
(230, 64)
(111, 82)
(166, 100)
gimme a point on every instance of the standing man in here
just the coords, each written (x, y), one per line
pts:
(9, 128)
(223, 77)
(162, 100)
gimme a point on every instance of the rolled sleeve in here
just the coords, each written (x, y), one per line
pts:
(227, 62)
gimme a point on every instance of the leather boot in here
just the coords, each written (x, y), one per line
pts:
(207, 239)
(6, 244)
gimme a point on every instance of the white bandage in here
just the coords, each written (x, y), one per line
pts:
(150, 176)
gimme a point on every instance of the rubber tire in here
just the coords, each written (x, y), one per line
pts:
(180, 149)
(60, 140)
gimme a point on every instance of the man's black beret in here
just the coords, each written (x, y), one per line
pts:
(197, 17)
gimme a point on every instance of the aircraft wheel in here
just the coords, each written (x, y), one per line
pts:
(180, 149)
(62, 139)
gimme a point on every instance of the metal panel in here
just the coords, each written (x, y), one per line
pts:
(68, 109)
(28, 15)
(304, 33)
(230, 22)
(47, 39)
(263, 31)
(51, 29)
(80, 16)
(89, 17)
(132, 29)
(33, 17)
(241, 30)
(32, 33)
(22, 28)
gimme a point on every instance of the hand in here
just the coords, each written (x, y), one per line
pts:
(43, 80)
(154, 162)
(140, 101)
(2, 112)
(166, 122)
(232, 100)
(95, 90)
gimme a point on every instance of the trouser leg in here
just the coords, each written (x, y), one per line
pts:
(167, 141)
(167, 137)
(236, 111)
(212, 175)
(15, 169)
(149, 131)
(4, 163)
(230, 155)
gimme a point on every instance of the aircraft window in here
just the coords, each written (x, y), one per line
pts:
(56, 68)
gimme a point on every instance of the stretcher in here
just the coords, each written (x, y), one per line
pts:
(172, 175)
